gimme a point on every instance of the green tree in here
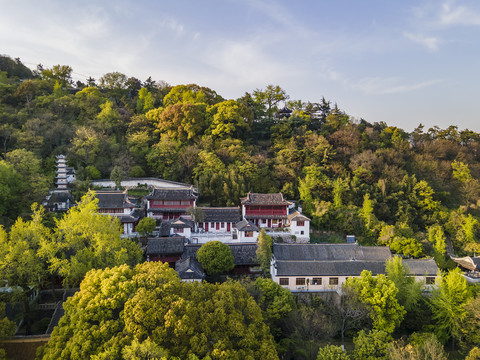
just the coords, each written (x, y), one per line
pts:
(60, 73)
(29, 166)
(12, 189)
(420, 347)
(275, 301)
(264, 251)
(372, 345)
(7, 329)
(112, 314)
(145, 226)
(449, 306)
(21, 262)
(366, 212)
(145, 101)
(332, 352)
(215, 257)
(409, 291)
(228, 119)
(117, 176)
(436, 236)
(270, 97)
(379, 294)
(474, 354)
(87, 240)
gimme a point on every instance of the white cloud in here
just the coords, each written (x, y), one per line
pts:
(391, 85)
(430, 42)
(452, 14)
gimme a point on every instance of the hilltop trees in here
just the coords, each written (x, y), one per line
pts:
(352, 176)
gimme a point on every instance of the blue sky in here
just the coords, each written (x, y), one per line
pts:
(401, 62)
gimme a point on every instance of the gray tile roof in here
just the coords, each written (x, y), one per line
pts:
(312, 252)
(221, 214)
(243, 254)
(113, 200)
(328, 268)
(172, 194)
(189, 269)
(182, 222)
(165, 245)
(246, 225)
(60, 196)
(420, 267)
(264, 199)
(297, 216)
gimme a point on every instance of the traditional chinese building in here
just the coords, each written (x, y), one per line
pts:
(120, 205)
(219, 219)
(170, 204)
(266, 210)
(60, 198)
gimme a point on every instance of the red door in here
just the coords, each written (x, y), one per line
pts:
(269, 223)
(206, 226)
(228, 226)
(217, 226)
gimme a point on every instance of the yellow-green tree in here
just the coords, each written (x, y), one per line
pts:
(379, 294)
(130, 312)
(85, 239)
(449, 306)
(264, 251)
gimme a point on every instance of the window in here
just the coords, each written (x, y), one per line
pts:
(180, 230)
(333, 281)
(300, 281)
(185, 202)
(430, 280)
(222, 225)
(248, 233)
(274, 221)
(284, 281)
(317, 281)
(300, 223)
(301, 232)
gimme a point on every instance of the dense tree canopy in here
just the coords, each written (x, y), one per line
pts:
(149, 310)
(215, 257)
(384, 185)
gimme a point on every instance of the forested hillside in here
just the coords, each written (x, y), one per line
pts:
(387, 186)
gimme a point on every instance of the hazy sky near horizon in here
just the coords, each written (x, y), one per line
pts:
(401, 62)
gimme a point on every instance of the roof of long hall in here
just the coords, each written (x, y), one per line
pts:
(264, 199)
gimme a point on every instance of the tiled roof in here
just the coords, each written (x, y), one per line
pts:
(182, 222)
(328, 268)
(324, 252)
(189, 269)
(243, 254)
(221, 214)
(60, 196)
(246, 225)
(297, 216)
(172, 194)
(165, 245)
(420, 267)
(113, 200)
(264, 199)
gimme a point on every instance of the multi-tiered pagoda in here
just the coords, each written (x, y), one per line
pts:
(60, 199)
